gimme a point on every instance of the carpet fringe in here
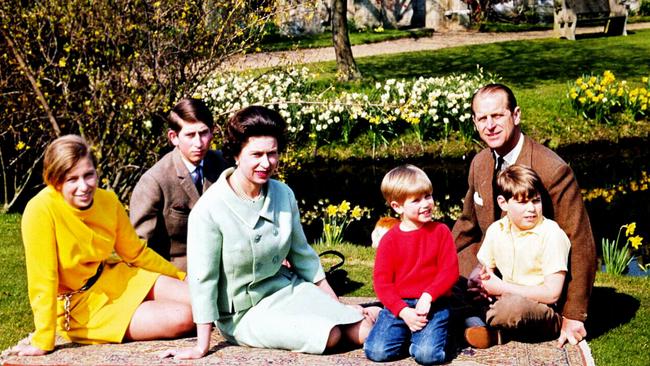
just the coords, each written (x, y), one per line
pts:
(585, 350)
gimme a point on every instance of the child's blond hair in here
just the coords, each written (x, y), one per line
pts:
(519, 182)
(403, 182)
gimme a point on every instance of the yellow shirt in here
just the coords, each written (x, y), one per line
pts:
(525, 257)
(64, 247)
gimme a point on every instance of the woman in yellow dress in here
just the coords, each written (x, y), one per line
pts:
(70, 230)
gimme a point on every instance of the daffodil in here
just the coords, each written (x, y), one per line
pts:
(629, 229)
(635, 241)
(344, 207)
(332, 210)
(356, 213)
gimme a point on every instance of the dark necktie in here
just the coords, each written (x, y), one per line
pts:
(198, 182)
(497, 209)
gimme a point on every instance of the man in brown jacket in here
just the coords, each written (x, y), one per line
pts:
(165, 194)
(496, 117)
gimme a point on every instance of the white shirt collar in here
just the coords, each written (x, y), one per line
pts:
(511, 157)
(190, 167)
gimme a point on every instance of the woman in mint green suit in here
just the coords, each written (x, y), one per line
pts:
(240, 232)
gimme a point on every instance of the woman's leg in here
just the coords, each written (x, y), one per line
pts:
(334, 338)
(358, 332)
(165, 312)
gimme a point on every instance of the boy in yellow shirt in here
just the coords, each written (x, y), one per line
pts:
(530, 253)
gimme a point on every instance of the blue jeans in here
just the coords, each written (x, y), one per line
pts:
(391, 338)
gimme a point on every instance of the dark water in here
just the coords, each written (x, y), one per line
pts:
(596, 165)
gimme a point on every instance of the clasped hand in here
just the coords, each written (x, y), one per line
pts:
(482, 284)
(416, 318)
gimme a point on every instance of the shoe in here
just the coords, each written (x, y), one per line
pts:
(482, 337)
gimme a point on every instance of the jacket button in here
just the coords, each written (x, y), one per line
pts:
(275, 259)
(258, 237)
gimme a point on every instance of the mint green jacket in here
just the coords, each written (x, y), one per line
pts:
(235, 253)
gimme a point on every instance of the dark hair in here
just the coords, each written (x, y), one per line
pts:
(519, 182)
(252, 121)
(61, 156)
(491, 88)
(189, 110)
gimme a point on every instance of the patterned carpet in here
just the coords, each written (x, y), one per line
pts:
(222, 353)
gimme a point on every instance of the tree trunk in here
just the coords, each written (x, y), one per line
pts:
(346, 67)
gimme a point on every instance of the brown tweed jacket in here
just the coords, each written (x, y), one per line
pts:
(163, 197)
(562, 202)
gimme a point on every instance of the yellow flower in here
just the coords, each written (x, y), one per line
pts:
(356, 213)
(574, 95)
(344, 207)
(62, 62)
(635, 241)
(644, 79)
(582, 100)
(331, 210)
(630, 229)
(20, 145)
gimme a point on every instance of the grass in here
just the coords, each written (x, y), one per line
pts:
(15, 313)
(627, 331)
(284, 43)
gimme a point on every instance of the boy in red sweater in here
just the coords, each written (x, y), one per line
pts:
(415, 268)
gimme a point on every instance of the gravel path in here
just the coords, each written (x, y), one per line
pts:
(436, 41)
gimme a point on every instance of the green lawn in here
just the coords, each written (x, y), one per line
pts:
(15, 313)
(283, 43)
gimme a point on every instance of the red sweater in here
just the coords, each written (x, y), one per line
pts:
(409, 263)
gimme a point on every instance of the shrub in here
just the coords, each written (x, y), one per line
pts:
(644, 8)
(107, 70)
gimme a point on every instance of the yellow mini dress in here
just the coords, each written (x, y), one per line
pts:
(64, 247)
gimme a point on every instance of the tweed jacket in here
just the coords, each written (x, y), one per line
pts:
(562, 202)
(235, 253)
(163, 197)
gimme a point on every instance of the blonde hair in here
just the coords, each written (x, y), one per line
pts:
(403, 182)
(519, 182)
(61, 156)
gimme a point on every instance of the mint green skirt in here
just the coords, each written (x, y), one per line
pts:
(298, 317)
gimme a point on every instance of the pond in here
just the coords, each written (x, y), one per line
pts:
(596, 165)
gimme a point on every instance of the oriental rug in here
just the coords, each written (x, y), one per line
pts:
(223, 353)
